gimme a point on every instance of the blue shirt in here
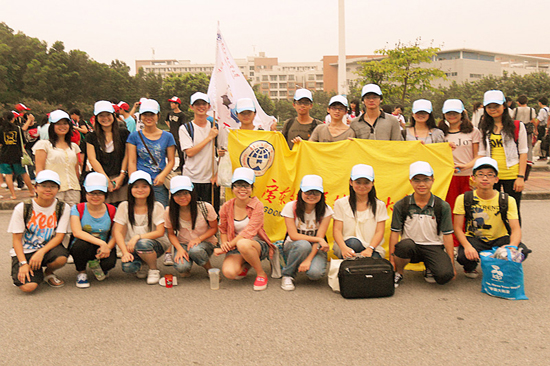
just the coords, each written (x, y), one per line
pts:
(156, 147)
(130, 123)
(97, 227)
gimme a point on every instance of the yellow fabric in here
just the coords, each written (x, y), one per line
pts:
(333, 161)
(485, 213)
(497, 153)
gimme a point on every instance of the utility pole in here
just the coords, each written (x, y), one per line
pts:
(342, 85)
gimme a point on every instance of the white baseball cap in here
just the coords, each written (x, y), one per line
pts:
(245, 104)
(420, 168)
(493, 96)
(422, 105)
(149, 105)
(453, 105)
(48, 176)
(485, 162)
(371, 88)
(303, 93)
(312, 182)
(58, 115)
(180, 183)
(199, 96)
(338, 99)
(140, 174)
(103, 106)
(362, 171)
(245, 174)
(95, 182)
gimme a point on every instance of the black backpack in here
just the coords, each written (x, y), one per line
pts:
(27, 211)
(290, 122)
(438, 209)
(502, 208)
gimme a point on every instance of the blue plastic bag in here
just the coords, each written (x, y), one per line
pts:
(501, 278)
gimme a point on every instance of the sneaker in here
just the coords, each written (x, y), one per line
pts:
(242, 274)
(143, 271)
(260, 283)
(24, 188)
(3, 185)
(16, 188)
(153, 277)
(429, 276)
(82, 280)
(287, 283)
(70, 259)
(168, 260)
(397, 279)
(471, 274)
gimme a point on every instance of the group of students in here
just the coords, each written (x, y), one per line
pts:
(138, 227)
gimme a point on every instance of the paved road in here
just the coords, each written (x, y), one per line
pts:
(124, 321)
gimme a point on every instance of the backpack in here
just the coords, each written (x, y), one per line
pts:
(204, 211)
(529, 126)
(288, 125)
(191, 131)
(502, 208)
(438, 211)
(27, 211)
(110, 208)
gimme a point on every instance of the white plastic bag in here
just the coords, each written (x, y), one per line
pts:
(225, 171)
(333, 274)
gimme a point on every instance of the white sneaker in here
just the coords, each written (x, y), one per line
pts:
(287, 283)
(143, 271)
(168, 260)
(153, 277)
(429, 276)
(3, 185)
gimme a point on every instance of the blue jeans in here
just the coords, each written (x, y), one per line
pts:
(199, 254)
(358, 247)
(161, 194)
(143, 246)
(296, 252)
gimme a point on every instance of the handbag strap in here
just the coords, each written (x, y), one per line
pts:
(145, 144)
(21, 139)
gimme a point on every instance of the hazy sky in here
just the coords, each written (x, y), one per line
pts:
(292, 30)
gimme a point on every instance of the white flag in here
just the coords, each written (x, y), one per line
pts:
(227, 85)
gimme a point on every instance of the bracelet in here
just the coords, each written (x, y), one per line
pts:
(521, 176)
(370, 246)
(124, 171)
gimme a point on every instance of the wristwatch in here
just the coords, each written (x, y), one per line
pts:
(521, 176)
(370, 246)
(21, 264)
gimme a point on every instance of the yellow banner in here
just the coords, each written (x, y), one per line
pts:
(279, 170)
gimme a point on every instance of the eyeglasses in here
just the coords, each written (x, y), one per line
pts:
(313, 193)
(339, 109)
(488, 175)
(304, 102)
(421, 180)
(96, 193)
(242, 186)
(48, 185)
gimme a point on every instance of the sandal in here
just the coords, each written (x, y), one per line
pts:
(53, 280)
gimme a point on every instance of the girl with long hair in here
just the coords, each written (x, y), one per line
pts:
(59, 154)
(360, 218)
(506, 142)
(191, 226)
(423, 126)
(137, 228)
(307, 219)
(106, 150)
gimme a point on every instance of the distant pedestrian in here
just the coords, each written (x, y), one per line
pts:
(175, 118)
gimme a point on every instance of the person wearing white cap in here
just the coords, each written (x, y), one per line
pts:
(375, 124)
(485, 227)
(303, 124)
(246, 112)
(106, 151)
(91, 223)
(191, 226)
(243, 238)
(360, 218)
(423, 127)
(152, 150)
(174, 120)
(198, 139)
(423, 221)
(464, 139)
(38, 228)
(307, 219)
(337, 130)
(139, 227)
(11, 138)
(60, 155)
(505, 141)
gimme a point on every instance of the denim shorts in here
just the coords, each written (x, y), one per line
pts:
(264, 252)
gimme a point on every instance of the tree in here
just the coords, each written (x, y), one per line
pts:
(403, 71)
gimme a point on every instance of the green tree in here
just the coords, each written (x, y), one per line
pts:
(402, 72)
(183, 86)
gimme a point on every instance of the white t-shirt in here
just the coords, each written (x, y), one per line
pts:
(185, 233)
(41, 226)
(363, 226)
(310, 226)
(140, 227)
(199, 166)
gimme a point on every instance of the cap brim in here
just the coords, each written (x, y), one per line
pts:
(48, 180)
(357, 176)
(311, 188)
(177, 189)
(95, 188)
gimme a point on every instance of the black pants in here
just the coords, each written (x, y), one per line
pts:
(479, 245)
(508, 187)
(435, 258)
(82, 252)
(204, 193)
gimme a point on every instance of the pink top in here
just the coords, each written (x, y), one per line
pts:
(185, 233)
(464, 152)
(255, 213)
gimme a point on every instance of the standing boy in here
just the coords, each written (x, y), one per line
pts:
(303, 124)
(483, 210)
(37, 229)
(174, 119)
(424, 222)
